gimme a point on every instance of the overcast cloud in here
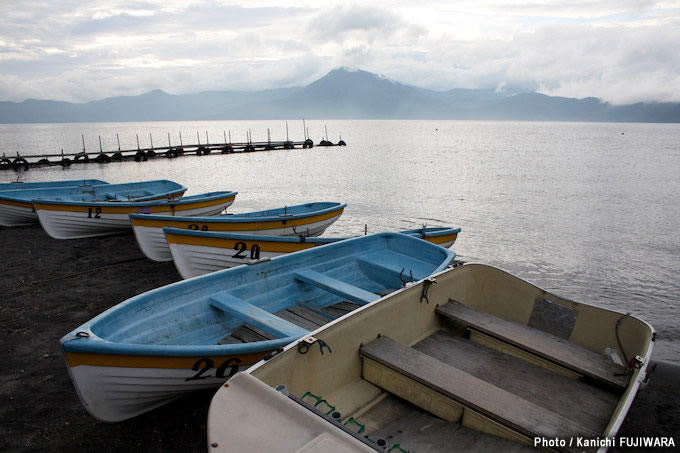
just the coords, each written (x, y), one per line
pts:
(622, 51)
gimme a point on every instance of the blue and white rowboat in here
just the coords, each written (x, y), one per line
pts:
(79, 219)
(198, 252)
(197, 333)
(310, 219)
(16, 206)
(50, 184)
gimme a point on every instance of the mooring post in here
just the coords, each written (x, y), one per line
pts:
(118, 138)
(169, 144)
(180, 138)
(326, 129)
(198, 137)
(225, 136)
(287, 132)
(269, 136)
(100, 144)
(207, 141)
(151, 140)
(83, 137)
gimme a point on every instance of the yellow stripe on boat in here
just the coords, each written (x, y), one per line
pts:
(39, 205)
(218, 225)
(75, 359)
(441, 239)
(269, 246)
(21, 204)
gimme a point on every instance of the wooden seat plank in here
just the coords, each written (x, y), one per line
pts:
(335, 286)
(537, 342)
(504, 407)
(256, 316)
(592, 405)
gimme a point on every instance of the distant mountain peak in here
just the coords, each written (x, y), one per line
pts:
(344, 92)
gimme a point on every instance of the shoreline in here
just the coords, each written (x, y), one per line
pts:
(49, 287)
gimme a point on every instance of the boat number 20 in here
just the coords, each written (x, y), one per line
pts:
(226, 370)
(241, 248)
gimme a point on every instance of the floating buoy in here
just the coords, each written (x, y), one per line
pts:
(5, 164)
(227, 149)
(342, 143)
(82, 156)
(151, 153)
(140, 156)
(103, 159)
(43, 162)
(65, 162)
(18, 163)
(117, 156)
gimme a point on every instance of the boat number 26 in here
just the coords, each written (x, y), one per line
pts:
(226, 370)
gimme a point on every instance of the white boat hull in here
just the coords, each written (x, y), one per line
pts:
(116, 393)
(16, 214)
(154, 245)
(76, 224)
(194, 260)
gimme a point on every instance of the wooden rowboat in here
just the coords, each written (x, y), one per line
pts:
(198, 252)
(310, 219)
(470, 359)
(19, 185)
(197, 333)
(80, 219)
(16, 206)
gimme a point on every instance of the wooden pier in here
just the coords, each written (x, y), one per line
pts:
(27, 162)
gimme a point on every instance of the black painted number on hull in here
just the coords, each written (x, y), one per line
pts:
(97, 213)
(193, 226)
(226, 370)
(241, 247)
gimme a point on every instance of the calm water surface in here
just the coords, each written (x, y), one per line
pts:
(586, 210)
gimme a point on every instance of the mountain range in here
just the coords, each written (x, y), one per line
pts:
(340, 94)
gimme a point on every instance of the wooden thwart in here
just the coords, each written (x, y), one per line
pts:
(335, 286)
(493, 402)
(256, 316)
(537, 342)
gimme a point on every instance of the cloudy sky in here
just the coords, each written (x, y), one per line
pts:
(622, 51)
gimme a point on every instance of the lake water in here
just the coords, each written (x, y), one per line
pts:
(586, 210)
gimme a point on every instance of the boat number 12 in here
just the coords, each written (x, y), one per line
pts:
(97, 213)
(241, 248)
(226, 370)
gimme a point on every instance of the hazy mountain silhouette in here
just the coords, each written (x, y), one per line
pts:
(342, 93)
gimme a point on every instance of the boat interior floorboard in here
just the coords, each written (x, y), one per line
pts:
(299, 315)
(411, 429)
(246, 334)
(576, 400)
